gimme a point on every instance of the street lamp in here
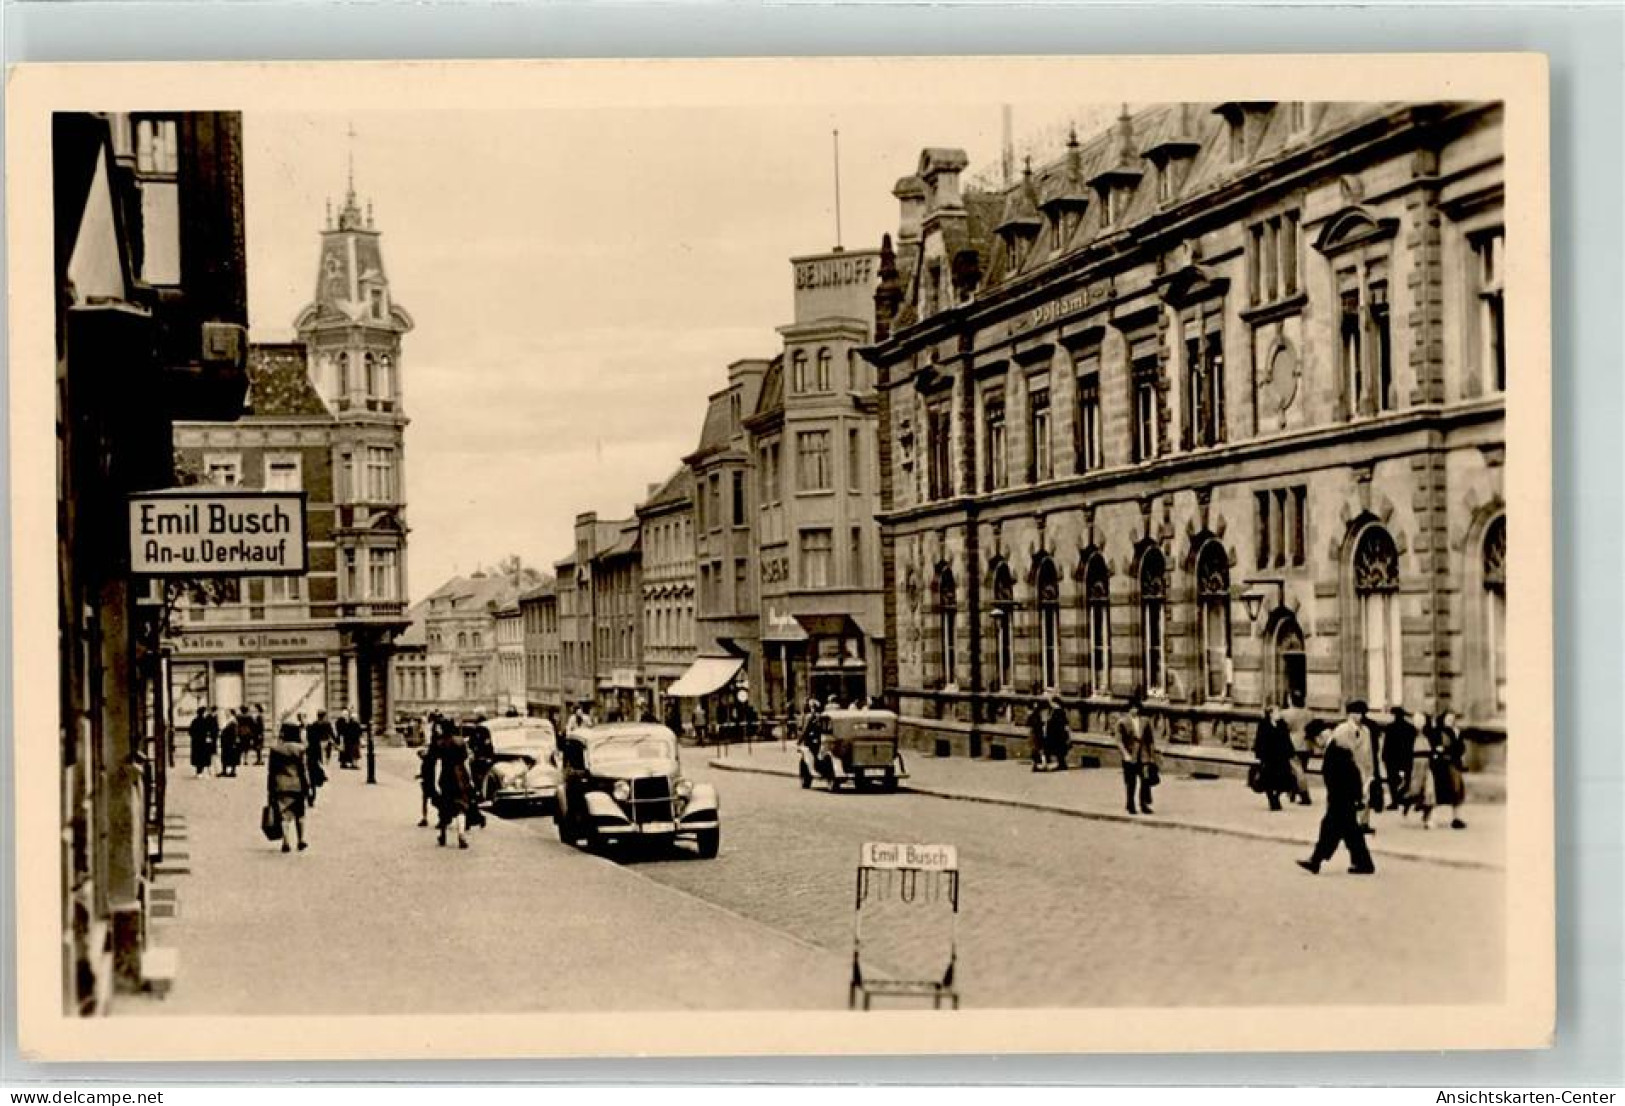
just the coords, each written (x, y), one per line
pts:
(1252, 600)
(372, 763)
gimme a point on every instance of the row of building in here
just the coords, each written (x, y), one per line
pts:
(1209, 409)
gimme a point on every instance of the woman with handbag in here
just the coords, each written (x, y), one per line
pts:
(1447, 751)
(287, 784)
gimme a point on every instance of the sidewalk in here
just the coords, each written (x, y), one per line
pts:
(1182, 802)
(375, 918)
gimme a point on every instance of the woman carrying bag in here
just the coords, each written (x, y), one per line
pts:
(287, 784)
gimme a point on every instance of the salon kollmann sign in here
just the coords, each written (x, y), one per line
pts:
(217, 532)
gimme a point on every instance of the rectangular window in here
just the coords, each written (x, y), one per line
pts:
(347, 487)
(714, 486)
(817, 547)
(741, 584)
(1382, 370)
(1040, 465)
(381, 575)
(282, 474)
(1278, 528)
(994, 474)
(284, 590)
(352, 576)
(1352, 368)
(739, 498)
(857, 557)
(940, 468)
(1145, 374)
(380, 475)
(854, 460)
(1489, 262)
(1272, 258)
(812, 461)
(1300, 523)
(1262, 502)
(223, 469)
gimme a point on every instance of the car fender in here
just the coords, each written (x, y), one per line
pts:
(702, 803)
(603, 808)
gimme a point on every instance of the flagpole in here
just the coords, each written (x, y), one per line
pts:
(837, 136)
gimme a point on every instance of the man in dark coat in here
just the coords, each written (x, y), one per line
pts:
(1037, 727)
(203, 732)
(1137, 750)
(1057, 735)
(1345, 795)
(1398, 748)
(316, 735)
(319, 735)
(231, 744)
(349, 733)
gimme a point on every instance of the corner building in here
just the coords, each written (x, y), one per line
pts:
(1211, 407)
(324, 416)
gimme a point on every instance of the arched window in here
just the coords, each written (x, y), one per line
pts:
(370, 370)
(1004, 630)
(948, 621)
(1495, 609)
(1153, 617)
(354, 384)
(478, 640)
(1376, 592)
(1047, 595)
(1097, 622)
(1213, 607)
(386, 377)
(823, 370)
(462, 640)
(798, 374)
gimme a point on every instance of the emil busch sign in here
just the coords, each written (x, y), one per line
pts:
(217, 532)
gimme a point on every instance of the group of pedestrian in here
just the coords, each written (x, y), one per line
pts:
(448, 777)
(1049, 734)
(348, 733)
(1366, 766)
(242, 733)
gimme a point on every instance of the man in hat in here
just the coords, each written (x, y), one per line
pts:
(1057, 734)
(1345, 795)
(1398, 747)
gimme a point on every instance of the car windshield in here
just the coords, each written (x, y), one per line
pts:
(525, 741)
(632, 748)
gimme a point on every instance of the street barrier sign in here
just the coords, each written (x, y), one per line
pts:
(905, 924)
(197, 532)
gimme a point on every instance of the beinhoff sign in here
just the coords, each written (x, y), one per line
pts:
(923, 858)
(217, 532)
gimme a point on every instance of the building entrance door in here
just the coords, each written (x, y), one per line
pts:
(298, 687)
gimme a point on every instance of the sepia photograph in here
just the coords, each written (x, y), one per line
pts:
(567, 543)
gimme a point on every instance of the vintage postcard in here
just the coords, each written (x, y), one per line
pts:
(782, 556)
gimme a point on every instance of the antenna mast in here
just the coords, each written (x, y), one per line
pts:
(837, 135)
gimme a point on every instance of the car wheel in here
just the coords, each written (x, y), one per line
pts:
(806, 776)
(708, 842)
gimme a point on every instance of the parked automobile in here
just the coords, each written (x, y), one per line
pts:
(522, 774)
(622, 782)
(858, 747)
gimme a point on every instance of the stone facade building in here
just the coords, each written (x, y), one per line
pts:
(1211, 409)
(812, 447)
(539, 611)
(461, 660)
(666, 537)
(324, 416)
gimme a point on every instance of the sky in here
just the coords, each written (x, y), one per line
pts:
(580, 279)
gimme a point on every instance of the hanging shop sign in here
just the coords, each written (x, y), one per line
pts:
(217, 532)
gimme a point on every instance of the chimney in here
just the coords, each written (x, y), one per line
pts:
(940, 169)
(910, 193)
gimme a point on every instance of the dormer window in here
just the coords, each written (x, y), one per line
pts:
(375, 300)
(1171, 156)
(1244, 123)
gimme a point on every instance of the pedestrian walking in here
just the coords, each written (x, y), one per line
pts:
(315, 773)
(1057, 735)
(1298, 719)
(256, 733)
(426, 772)
(1345, 795)
(454, 787)
(1037, 727)
(1273, 753)
(1398, 748)
(1447, 752)
(231, 747)
(1364, 742)
(320, 735)
(288, 786)
(1421, 793)
(349, 737)
(202, 732)
(1136, 745)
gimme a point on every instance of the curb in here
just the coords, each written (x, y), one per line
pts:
(1156, 822)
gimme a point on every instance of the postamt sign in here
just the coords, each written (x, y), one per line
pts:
(217, 532)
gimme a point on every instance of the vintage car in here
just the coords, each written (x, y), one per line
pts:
(852, 746)
(521, 775)
(622, 783)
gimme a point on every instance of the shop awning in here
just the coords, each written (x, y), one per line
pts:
(829, 625)
(705, 675)
(783, 630)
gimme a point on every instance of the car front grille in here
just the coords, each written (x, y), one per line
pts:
(651, 800)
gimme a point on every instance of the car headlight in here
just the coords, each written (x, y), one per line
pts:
(622, 791)
(685, 788)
